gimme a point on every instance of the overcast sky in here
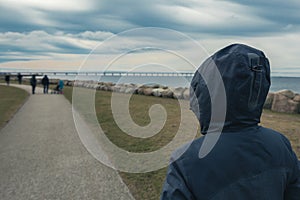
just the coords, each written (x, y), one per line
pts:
(61, 33)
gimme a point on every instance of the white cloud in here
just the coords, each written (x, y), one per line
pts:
(281, 49)
(215, 17)
(90, 35)
(54, 5)
(16, 45)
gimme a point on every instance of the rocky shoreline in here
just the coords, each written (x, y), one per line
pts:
(285, 101)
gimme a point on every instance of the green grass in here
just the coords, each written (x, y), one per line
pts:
(11, 99)
(148, 185)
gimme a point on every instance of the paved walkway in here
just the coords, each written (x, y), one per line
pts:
(41, 156)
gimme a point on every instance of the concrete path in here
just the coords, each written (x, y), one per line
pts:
(41, 156)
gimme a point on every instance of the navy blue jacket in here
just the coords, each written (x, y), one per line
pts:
(248, 161)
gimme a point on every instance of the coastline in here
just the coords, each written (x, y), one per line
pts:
(285, 101)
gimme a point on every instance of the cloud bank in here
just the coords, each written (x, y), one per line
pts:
(61, 30)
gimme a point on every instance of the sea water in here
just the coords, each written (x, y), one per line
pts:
(280, 83)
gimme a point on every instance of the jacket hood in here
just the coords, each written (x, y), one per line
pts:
(233, 82)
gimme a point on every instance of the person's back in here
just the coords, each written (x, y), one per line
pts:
(7, 79)
(248, 161)
(33, 83)
(33, 80)
(45, 80)
(20, 76)
(61, 84)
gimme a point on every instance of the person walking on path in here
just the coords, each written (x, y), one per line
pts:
(33, 83)
(245, 161)
(20, 76)
(45, 82)
(61, 86)
(7, 79)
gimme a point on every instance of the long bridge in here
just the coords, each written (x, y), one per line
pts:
(93, 73)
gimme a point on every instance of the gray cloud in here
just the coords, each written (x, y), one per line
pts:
(284, 14)
(229, 17)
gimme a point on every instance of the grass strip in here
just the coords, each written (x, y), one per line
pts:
(11, 99)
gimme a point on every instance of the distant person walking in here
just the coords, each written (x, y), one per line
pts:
(33, 83)
(61, 86)
(7, 79)
(20, 76)
(45, 82)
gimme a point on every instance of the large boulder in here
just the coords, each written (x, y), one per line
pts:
(157, 92)
(108, 86)
(122, 89)
(94, 86)
(140, 90)
(186, 94)
(130, 90)
(148, 91)
(269, 101)
(283, 102)
(167, 93)
(288, 93)
(116, 88)
(155, 86)
(297, 98)
(178, 92)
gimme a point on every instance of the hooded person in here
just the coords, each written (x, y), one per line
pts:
(237, 158)
(45, 82)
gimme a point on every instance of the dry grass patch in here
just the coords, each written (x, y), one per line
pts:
(11, 99)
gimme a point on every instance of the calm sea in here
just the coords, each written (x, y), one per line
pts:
(280, 83)
(277, 83)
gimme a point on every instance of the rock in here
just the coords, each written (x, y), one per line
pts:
(148, 91)
(101, 87)
(98, 87)
(157, 92)
(70, 83)
(140, 90)
(110, 84)
(288, 93)
(167, 93)
(178, 92)
(155, 86)
(269, 101)
(297, 98)
(186, 94)
(129, 90)
(151, 85)
(122, 89)
(116, 88)
(282, 103)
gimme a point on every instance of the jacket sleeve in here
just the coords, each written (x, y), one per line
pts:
(175, 187)
(293, 189)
